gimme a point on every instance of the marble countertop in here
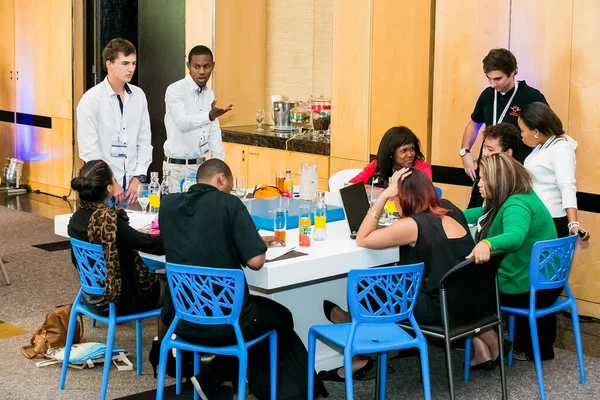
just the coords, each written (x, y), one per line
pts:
(270, 139)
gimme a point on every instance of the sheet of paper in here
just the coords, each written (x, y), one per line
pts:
(278, 251)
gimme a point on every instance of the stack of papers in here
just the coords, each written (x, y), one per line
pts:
(278, 251)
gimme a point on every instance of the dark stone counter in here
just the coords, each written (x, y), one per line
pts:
(270, 139)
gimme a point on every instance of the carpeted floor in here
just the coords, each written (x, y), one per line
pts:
(43, 279)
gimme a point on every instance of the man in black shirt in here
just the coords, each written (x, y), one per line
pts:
(500, 102)
(207, 226)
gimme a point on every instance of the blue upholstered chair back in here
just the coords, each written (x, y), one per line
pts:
(91, 265)
(206, 296)
(383, 295)
(550, 262)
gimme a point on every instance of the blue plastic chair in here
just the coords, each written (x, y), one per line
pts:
(378, 299)
(92, 272)
(549, 268)
(438, 191)
(209, 296)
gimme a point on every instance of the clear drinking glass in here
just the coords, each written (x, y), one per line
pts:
(280, 178)
(280, 222)
(260, 118)
(240, 187)
(143, 197)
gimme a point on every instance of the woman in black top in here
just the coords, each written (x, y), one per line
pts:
(430, 230)
(128, 284)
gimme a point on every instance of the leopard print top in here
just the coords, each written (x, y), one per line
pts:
(102, 229)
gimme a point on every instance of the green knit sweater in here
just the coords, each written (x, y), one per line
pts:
(521, 221)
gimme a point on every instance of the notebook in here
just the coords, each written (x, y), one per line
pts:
(356, 206)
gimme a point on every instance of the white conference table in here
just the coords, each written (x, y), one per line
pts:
(301, 283)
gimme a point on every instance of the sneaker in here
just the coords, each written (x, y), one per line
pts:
(224, 393)
(205, 385)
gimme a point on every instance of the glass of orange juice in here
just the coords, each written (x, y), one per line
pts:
(280, 222)
(279, 179)
(304, 225)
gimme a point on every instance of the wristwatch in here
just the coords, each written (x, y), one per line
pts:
(141, 178)
(463, 152)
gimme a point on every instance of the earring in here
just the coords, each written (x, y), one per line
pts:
(537, 136)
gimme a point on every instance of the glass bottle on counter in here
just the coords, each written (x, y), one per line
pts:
(154, 189)
(320, 230)
(288, 183)
(165, 187)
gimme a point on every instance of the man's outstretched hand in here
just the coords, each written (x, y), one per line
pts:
(215, 112)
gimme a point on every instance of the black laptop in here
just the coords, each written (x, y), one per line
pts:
(356, 206)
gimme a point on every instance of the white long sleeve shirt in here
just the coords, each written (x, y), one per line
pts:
(190, 132)
(552, 166)
(101, 125)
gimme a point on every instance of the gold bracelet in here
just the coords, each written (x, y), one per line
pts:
(488, 243)
(374, 214)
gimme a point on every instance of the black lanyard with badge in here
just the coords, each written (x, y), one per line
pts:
(495, 121)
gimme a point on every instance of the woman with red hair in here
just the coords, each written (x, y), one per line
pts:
(429, 230)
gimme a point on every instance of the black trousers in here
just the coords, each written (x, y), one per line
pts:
(546, 325)
(269, 315)
(562, 228)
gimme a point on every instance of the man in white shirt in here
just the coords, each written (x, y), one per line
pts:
(191, 120)
(113, 122)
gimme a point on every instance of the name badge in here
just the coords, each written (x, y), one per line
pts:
(118, 150)
(204, 149)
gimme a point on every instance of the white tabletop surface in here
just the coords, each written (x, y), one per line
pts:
(332, 257)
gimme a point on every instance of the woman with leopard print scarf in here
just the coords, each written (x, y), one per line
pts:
(129, 284)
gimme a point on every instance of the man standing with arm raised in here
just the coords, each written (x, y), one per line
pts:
(498, 103)
(113, 124)
(191, 119)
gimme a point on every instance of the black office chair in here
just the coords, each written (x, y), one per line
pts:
(470, 303)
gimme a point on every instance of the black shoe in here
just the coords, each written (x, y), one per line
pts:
(488, 365)
(205, 384)
(358, 375)
(224, 393)
(328, 307)
(154, 355)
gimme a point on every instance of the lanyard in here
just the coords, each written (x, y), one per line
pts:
(507, 104)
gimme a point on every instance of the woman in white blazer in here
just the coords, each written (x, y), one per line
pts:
(552, 166)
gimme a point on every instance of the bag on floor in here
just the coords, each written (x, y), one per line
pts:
(292, 370)
(53, 333)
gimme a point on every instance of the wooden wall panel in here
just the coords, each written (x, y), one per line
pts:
(34, 56)
(60, 69)
(584, 107)
(198, 27)
(350, 90)
(78, 73)
(47, 155)
(585, 273)
(543, 48)
(7, 61)
(465, 32)
(322, 47)
(7, 142)
(340, 164)
(400, 68)
(289, 51)
(240, 56)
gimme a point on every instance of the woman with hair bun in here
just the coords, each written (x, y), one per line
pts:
(129, 283)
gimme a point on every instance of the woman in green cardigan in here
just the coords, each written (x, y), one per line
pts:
(513, 219)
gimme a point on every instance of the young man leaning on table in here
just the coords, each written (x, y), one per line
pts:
(207, 226)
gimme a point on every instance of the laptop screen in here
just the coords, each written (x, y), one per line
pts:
(356, 205)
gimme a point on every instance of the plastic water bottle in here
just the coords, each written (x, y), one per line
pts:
(320, 232)
(154, 189)
(165, 187)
